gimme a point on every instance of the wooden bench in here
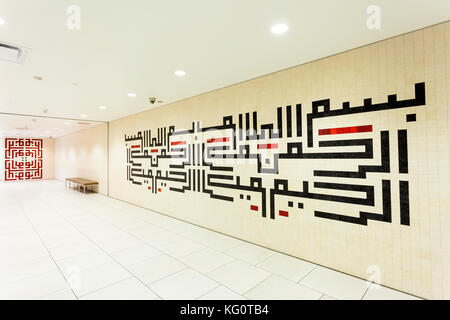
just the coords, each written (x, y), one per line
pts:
(84, 183)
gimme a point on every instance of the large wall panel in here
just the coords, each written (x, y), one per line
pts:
(343, 161)
(26, 159)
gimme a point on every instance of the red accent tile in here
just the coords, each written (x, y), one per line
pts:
(343, 130)
(212, 140)
(254, 208)
(283, 213)
(149, 188)
(159, 189)
(154, 150)
(177, 143)
(268, 146)
(135, 146)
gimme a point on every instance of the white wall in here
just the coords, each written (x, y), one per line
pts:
(2, 160)
(84, 154)
(48, 171)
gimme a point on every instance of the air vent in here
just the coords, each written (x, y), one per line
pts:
(12, 53)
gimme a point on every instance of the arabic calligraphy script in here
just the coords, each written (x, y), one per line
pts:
(288, 166)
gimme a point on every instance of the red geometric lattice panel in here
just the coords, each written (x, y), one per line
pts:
(23, 159)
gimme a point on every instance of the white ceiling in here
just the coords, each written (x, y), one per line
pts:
(37, 127)
(136, 45)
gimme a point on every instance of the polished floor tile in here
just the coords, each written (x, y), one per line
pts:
(66, 294)
(239, 276)
(83, 261)
(287, 267)
(335, 284)
(144, 229)
(181, 248)
(27, 269)
(67, 251)
(377, 292)
(222, 293)
(250, 253)
(134, 255)
(156, 268)
(56, 238)
(59, 244)
(187, 284)
(213, 239)
(85, 281)
(277, 288)
(19, 254)
(119, 243)
(325, 297)
(206, 260)
(160, 238)
(34, 287)
(177, 226)
(129, 289)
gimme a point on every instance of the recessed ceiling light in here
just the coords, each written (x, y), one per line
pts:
(2, 22)
(103, 107)
(131, 95)
(180, 73)
(84, 116)
(280, 28)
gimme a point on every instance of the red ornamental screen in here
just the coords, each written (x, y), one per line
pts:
(23, 159)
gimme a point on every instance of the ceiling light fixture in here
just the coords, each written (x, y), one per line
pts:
(131, 95)
(103, 107)
(84, 116)
(2, 22)
(180, 73)
(280, 28)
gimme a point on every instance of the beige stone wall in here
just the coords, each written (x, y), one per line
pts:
(84, 154)
(414, 258)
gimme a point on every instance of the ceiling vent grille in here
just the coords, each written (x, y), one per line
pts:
(12, 53)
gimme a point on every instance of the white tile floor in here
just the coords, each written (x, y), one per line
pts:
(61, 244)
